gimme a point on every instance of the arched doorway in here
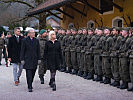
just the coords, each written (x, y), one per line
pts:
(117, 22)
(71, 25)
(90, 24)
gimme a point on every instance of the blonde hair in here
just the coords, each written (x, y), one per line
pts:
(50, 33)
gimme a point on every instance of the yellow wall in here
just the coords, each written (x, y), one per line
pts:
(81, 21)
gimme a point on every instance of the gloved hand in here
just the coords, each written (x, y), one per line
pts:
(22, 62)
(39, 61)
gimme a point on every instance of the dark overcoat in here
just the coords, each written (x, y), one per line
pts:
(30, 53)
(53, 55)
(14, 49)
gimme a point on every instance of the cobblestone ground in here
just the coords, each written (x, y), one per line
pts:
(69, 87)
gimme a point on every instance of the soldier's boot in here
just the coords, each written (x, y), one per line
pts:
(41, 79)
(130, 89)
(94, 79)
(99, 78)
(124, 85)
(107, 81)
(115, 83)
(104, 80)
(63, 70)
(80, 73)
(84, 75)
(75, 72)
(90, 76)
(68, 70)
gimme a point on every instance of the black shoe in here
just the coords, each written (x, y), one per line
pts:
(107, 81)
(41, 79)
(124, 85)
(115, 84)
(54, 87)
(30, 90)
(51, 83)
(80, 73)
(130, 89)
(103, 81)
(99, 78)
(74, 72)
(0, 64)
(90, 76)
(68, 71)
(63, 70)
(84, 75)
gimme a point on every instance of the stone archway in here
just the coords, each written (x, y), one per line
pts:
(90, 24)
(117, 22)
(71, 25)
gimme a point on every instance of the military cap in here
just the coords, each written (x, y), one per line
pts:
(42, 31)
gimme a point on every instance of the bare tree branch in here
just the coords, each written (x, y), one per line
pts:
(18, 1)
(24, 18)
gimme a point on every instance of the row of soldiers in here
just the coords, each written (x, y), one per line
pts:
(104, 53)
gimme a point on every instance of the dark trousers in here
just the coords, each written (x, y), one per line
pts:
(30, 73)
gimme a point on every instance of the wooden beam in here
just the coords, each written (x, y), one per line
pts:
(55, 15)
(115, 5)
(96, 9)
(58, 9)
(70, 6)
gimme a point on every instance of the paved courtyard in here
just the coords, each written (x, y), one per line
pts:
(69, 87)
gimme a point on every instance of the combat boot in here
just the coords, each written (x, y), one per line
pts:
(84, 75)
(74, 72)
(115, 84)
(99, 78)
(130, 89)
(68, 71)
(63, 70)
(41, 79)
(124, 85)
(107, 81)
(80, 73)
(90, 76)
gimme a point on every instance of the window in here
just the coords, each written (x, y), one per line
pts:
(106, 6)
(117, 22)
(90, 24)
(71, 25)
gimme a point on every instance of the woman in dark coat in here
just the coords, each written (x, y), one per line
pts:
(53, 57)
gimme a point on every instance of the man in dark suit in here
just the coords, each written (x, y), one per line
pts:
(30, 57)
(14, 47)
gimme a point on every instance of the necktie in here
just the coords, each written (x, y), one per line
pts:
(17, 39)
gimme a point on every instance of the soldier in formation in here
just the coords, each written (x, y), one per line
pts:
(101, 54)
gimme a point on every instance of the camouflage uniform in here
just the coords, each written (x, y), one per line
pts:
(89, 57)
(124, 62)
(68, 54)
(131, 65)
(73, 53)
(62, 41)
(78, 50)
(106, 61)
(115, 61)
(42, 67)
(97, 50)
(82, 61)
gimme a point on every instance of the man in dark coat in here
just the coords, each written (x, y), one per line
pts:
(1, 45)
(14, 48)
(30, 57)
